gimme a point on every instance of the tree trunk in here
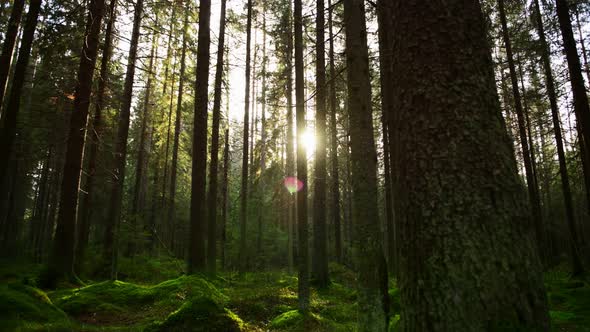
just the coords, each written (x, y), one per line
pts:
(290, 169)
(110, 250)
(461, 199)
(224, 193)
(213, 166)
(335, 183)
(320, 238)
(61, 264)
(10, 39)
(177, 128)
(367, 235)
(584, 55)
(565, 185)
(243, 255)
(93, 142)
(197, 255)
(526, 153)
(10, 114)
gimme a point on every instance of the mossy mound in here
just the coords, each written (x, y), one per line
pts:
(24, 308)
(295, 320)
(200, 314)
(569, 301)
(113, 303)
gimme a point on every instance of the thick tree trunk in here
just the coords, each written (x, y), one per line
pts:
(92, 144)
(116, 195)
(302, 251)
(335, 183)
(10, 39)
(61, 263)
(526, 153)
(565, 185)
(8, 125)
(461, 199)
(213, 166)
(175, 146)
(320, 236)
(243, 255)
(367, 234)
(197, 255)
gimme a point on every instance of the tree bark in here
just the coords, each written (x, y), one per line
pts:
(461, 199)
(10, 39)
(61, 264)
(224, 199)
(110, 250)
(197, 255)
(367, 234)
(213, 165)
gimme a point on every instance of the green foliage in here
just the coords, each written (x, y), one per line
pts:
(569, 302)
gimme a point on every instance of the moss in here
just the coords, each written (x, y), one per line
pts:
(200, 314)
(26, 308)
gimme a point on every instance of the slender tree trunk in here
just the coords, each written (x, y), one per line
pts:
(584, 55)
(383, 12)
(61, 263)
(290, 141)
(526, 153)
(451, 132)
(213, 166)
(93, 142)
(197, 254)
(110, 251)
(302, 253)
(175, 146)
(320, 237)
(8, 47)
(243, 255)
(224, 193)
(565, 185)
(335, 183)
(138, 204)
(169, 48)
(8, 124)
(367, 235)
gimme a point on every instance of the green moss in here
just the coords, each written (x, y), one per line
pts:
(26, 308)
(200, 314)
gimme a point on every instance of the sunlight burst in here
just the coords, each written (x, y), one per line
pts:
(309, 142)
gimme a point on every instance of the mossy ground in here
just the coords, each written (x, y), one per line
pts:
(264, 301)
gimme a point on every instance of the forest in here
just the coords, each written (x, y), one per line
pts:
(295, 165)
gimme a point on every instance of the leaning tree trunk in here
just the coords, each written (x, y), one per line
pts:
(565, 184)
(367, 234)
(116, 193)
(8, 47)
(302, 252)
(468, 254)
(213, 166)
(61, 263)
(93, 143)
(10, 114)
(526, 153)
(197, 256)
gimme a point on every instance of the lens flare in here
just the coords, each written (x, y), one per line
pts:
(293, 184)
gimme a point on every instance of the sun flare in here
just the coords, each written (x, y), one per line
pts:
(309, 142)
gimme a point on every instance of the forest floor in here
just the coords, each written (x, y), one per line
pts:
(262, 301)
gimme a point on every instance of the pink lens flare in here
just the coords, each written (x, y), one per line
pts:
(293, 184)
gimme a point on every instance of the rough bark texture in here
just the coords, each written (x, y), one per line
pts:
(468, 256)
(92, 143)
(116, 194)
(320, 236)
(62, 259)
(213, 165)
(335, 183)
(197, 255)
(526, 152)
(302, 251)
(366, 241)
